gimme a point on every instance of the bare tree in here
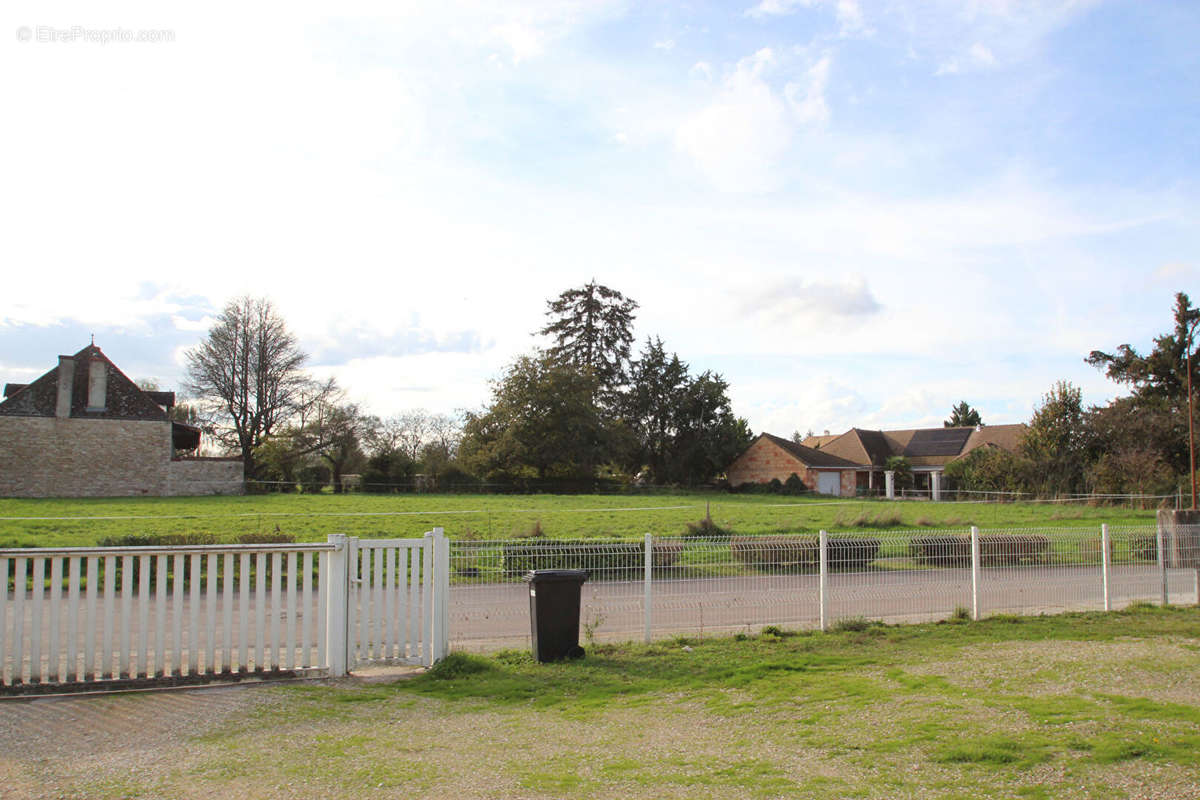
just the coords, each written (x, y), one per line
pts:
(248, 376)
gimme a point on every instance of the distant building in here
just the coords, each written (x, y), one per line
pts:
(854, 462)
(84, 429)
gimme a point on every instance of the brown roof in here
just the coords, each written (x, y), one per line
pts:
(923, 447)
(810, 456)
(818, 442)
(124, 400)
(1006, 437)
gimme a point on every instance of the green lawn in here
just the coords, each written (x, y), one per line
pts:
(1073, 706)
(60, 522)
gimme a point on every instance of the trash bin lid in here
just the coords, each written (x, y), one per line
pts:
(553, 575)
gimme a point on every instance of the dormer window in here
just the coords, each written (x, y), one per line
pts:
(97, 385)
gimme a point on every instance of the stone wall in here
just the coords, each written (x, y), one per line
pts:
(71, 457)
(195, 476)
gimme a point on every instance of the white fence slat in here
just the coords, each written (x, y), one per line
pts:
(91, 669)
(377, 603)
(306, 605)
(227, 609)
(35, 624)
(4, 639)
(289, 659)
(402, 567)
(177, 621)
(389, 603)
(160, 615)
(53, 646)
(276, 607)
(73, 580)
(352, 592)
(414, 603)
(210, 621)
(193, 642)
(143, 648)
(18, 638)
(244, 613)
(127, 588)
(427, 607)
(324, 560)
(364, 601)
(260, 612)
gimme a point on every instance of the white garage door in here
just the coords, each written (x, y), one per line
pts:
(829, 483)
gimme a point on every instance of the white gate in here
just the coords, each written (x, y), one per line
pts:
(75, 618)
(398, 588)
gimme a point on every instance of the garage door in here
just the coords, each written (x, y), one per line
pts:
(829, 483)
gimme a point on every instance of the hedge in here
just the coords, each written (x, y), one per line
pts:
(802, 554)
(995, 550)
(606, 560)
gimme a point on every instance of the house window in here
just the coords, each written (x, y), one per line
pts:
(97, 385)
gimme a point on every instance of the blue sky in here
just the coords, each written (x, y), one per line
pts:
(860, 213)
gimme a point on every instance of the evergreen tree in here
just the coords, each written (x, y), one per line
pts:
(592, 328)
(963, 416)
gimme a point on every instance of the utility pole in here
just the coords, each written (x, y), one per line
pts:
(1191, 412)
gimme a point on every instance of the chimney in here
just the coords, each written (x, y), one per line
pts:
(66, 386)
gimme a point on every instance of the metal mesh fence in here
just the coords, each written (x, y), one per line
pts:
(664, 586)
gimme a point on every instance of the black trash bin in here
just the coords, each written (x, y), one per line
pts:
(554, 612)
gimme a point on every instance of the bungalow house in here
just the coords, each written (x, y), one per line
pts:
(855, 462)
(84, 429)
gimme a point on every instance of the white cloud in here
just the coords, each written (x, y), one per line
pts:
(665, 44)
(981, 55)
(796, 302)
(808, 99)
(737, 139)
(701, 70)
(849, 16)
(778, 8)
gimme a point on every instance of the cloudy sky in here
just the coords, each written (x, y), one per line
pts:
(859, 212)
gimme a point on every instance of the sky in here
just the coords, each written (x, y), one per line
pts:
(859, 213)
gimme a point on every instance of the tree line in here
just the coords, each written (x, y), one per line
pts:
(1136, 444)
(566, 415)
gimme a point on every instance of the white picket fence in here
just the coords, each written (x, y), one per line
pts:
(89, 617)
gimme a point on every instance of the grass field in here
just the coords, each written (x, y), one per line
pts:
(80, 522)
(1074, 706)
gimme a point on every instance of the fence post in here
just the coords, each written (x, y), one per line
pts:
(974, 573)
(1105, 563)
(1160, 542)
(438, 585)
(646, 581)
(824, 545)
(337, 600)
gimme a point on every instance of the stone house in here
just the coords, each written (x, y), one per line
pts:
(84, 429)
(854, 462)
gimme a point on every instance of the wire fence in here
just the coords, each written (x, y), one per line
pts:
(662, 586)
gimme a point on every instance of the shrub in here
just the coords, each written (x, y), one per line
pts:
(995, 550)
(940, 550)
(777, 554)
(605, 560)
(313, 478)
(1144, 548)
(852, 624)
(793, 485)
(775, 486)
(852, 553)
(802, 554)
(706, 529)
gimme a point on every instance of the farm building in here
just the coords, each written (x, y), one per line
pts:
(84, 429)
(854, 462)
